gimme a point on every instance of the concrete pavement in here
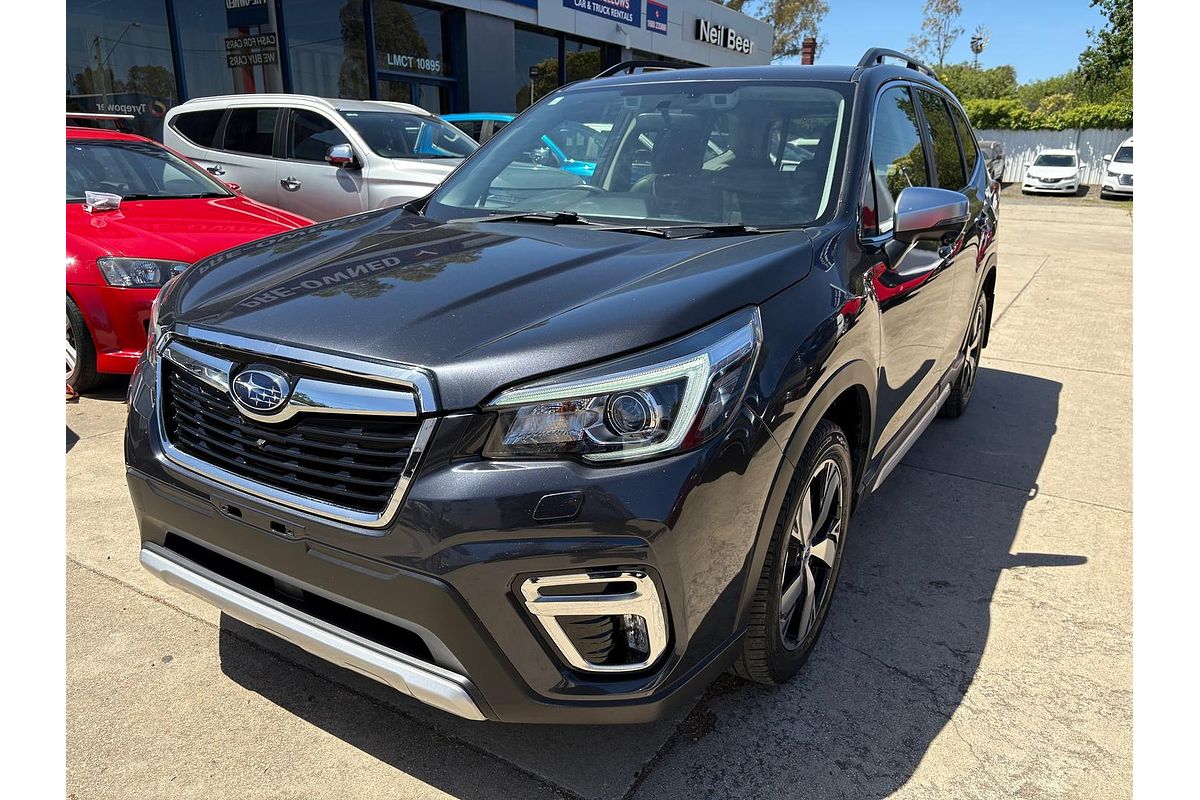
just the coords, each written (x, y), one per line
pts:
(979, 646)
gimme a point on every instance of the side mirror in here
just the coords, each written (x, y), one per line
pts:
(341, 155)
(923, 212)
(1107, 159)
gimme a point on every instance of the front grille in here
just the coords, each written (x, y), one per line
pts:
(348, 461)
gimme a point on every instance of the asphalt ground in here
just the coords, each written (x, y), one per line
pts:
(979, 644)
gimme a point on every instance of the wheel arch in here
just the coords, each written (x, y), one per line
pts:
(847, 398)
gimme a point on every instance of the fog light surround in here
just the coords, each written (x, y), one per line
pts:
(630, 597)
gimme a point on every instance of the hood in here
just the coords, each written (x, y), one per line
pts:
(428, 171)
(1052, 172)
(1121, 167)
(481, 305)
(181, 230)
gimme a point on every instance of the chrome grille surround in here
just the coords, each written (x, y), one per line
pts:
(412, 395)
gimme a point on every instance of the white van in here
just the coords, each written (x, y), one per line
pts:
(318, 157)
(1118, 171)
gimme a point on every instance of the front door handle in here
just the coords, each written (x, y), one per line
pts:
(290, 183)
(216, 169)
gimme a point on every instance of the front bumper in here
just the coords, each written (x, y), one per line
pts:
(445, 576)
(1054, 188)
(117, 317)
(1114, 186)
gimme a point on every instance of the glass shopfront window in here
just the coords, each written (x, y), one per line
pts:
(409, 39)
(583, 59)
(536, 66)
(327, 48)
(119, 60)
(229, 50)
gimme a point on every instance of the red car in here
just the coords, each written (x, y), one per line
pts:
(152, 213)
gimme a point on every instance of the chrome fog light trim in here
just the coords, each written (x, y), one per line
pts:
(643, 601)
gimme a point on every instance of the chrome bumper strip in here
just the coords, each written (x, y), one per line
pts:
(428, 683)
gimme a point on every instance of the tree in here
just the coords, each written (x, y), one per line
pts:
(970, 83)
(1111, 50)
(793, 20)
(939, 30)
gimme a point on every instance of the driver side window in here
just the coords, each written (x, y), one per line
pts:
(897, 159)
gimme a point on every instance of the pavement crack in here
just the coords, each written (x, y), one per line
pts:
(1023, 489)
(1017, 296)
(1064, 367)
(930, 687)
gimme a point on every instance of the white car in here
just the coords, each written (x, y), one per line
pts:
(1118, 171)
(318, 157)
(1052, 171)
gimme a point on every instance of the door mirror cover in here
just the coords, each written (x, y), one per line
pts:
(923, 212)
(1107, 159)
(341, 155)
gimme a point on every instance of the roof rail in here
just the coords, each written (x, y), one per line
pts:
(92, 115)
(876, 55)
(634, 67)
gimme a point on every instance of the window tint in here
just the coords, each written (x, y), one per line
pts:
(967, 138)
(897, 157)
(250, 130)
(199, 127)
(310, 135)
(945, 144)
(472, 128)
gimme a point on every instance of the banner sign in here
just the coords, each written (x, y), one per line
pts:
(627, 12)
(250, 51)
(656, 17)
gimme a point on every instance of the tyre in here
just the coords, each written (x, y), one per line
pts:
(81, 353)
(795, 589)
(964, 385)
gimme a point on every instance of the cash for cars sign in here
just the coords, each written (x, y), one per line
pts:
(628, 12)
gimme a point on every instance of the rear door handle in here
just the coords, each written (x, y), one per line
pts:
(290, 183)
(216, 169)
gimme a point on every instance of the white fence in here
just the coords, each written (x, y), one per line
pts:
(1021, 147)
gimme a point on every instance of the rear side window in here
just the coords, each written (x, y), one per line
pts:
(897, 157)
(967, 137)
(199, 127)
(946, 154)
(472, 128)
(250, 130)
(310, 135)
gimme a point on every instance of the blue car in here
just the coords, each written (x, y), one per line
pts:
(569, 150)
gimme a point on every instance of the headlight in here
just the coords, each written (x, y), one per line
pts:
(154, 334)
(1113, 174)
(671, 398)
(139, 272)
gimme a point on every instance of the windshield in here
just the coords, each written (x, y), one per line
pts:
(1055, 161)
(758, 154)
(1124, 155)
(394, 134)
(134, 170)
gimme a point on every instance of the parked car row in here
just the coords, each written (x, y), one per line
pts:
(1058, 171)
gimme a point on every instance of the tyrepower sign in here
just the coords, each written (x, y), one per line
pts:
(628, 12)
(722, 36)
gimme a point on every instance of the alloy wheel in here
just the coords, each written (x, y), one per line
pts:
(806, 583)
(71, 354)
(974, 349)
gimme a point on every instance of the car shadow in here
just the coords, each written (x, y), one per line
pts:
(901, 646)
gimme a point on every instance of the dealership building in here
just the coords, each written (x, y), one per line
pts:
(141, 57)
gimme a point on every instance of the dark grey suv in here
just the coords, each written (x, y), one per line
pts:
(560, 448)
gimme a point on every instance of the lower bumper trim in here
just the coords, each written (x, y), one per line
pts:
(427, 683)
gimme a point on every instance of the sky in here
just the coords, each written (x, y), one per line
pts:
(1040, 38)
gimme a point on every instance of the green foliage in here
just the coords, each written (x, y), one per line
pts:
(793, 20)
(1011, 114)
(969, 83)
(1112, 46)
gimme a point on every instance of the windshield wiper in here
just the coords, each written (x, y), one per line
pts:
(690, 231)
(147, 196)
(544, 217)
